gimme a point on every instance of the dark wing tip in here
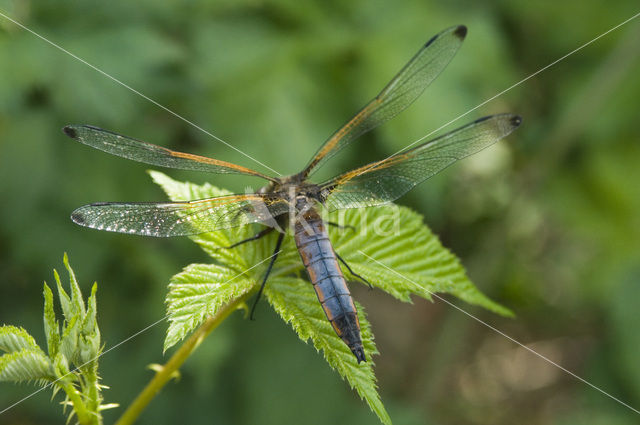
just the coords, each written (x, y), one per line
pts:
(70, 131)
(460, 32)
(78, 218)
(516, 120)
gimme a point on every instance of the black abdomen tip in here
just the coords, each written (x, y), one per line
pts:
(461, 31)
(359, 353)
(70, 131)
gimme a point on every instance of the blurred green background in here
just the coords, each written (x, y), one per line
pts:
(546, 222)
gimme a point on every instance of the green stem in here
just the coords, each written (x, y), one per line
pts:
(93, 390)
(174, 363)
(83, 415)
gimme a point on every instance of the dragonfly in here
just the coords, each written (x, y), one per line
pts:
(293, 204)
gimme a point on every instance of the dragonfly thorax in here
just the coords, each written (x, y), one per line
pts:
(294, 190)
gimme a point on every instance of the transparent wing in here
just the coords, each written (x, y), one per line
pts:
(181, 218)
(401, 91)
(387, 180)
(137, 150)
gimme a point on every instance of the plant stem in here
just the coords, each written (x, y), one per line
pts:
(94, 399)
(80, 409)
(164, 375)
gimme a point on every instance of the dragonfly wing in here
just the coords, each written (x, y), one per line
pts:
(401, 91)
(384, 181)
(181, 218)
(137, 150)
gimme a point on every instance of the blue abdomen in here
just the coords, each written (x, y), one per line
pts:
(331, 288)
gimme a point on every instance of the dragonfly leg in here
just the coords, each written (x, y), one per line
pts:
(354, 273)
(341, 227)
(252, 238)
(266, 275)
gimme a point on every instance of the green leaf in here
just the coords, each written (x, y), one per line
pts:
(89, 332)
(76, 294)
(80, 339)
(61, 368)
(79, 345)
(51, 330)
(297, 304)
(185, 191)
(392, 235)
(199, 291)
(25, 365)
(69, 340)
(65, 301)
(390, 247)
(90, 324)
(394, 250)
(13, 338)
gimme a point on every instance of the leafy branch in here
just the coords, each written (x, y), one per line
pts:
(73, 347)
(203, 295)
(170, 369)
(201, 291)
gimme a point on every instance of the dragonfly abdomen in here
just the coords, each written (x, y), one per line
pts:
(330, 285)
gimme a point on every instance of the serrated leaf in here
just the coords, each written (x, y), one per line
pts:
(51, 330)
(192, 294)
(69, 339)
(89, 347)
(25, 365)
(65, 300)
(393, 249)
(76, 295)
(89, 324)
(297, 304)
(198, 292)
(13, 338)
(185, 191)
(393, 235)
(79, 344)
(61, 367)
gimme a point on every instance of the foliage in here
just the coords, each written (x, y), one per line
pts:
(73, 348)
(545, 222)
(424, 267)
